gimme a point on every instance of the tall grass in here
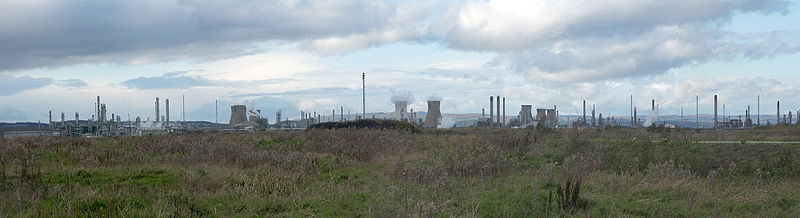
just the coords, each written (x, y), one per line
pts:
(372, 172)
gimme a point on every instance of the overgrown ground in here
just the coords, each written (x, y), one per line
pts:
(360, 172)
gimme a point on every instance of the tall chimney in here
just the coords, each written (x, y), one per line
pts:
(504, 111)
(166, 102)
(341, 113)
(103, 112)
(778, 119)
(593, 122)
(635, 119)
(584, 112)
(715, 111)
(789, 121)
(158, 115)
(498, 111)
(491, 111)
(654, 104)
(97, 112)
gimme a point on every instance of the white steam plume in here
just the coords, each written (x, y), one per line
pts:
(402, 95)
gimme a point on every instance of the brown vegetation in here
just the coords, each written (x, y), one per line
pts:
(383, 172)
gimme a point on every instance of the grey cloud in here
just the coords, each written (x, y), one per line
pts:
(182, 80)
(10, 85)
(167, 81)
(72, 83)
(312, 91)
(562, 41)
(57, 33)
(503, 26)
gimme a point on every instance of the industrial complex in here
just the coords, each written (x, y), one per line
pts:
(244, 119)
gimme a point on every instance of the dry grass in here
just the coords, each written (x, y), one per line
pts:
(364, 172)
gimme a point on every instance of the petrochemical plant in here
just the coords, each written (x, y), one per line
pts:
(247, 120)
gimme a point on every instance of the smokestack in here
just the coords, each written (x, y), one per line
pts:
(653, 104)
(76, 119)
(433, 116)
(103, 112)
(157, 114)
(166, 102)
(341, 113)
(63, 118)
(97, 112)
(789, 121)
(498, 111)
(491, 111)
(593, 122)
(635, 119)
(364, 94)
(778, 119)
(631, 111)
(504, 111)
(584, 111)
(50, 115)
(715, 111)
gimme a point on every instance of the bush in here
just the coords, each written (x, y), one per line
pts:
(366, 123)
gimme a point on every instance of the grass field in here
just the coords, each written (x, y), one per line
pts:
(359, 172)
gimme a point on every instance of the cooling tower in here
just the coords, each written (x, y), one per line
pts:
(434, 115)
(525, 115)
(400, 110)
(541, 114)
(238, 115)
(552, 117)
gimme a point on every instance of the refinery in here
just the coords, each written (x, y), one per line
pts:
(244, 119)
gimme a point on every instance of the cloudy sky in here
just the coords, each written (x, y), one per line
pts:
(294, 55)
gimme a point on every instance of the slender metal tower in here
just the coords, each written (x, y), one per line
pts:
(157, 112)
(632, 111)
(166, 103)
(715, 111)
(97, 114)
(364, 95)
(498, 111)
(584, 112)
(682, 123)
(491, 111)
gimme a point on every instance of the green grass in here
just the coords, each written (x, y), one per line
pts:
(362, 172)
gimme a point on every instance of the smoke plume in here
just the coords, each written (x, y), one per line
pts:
(402, 95)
